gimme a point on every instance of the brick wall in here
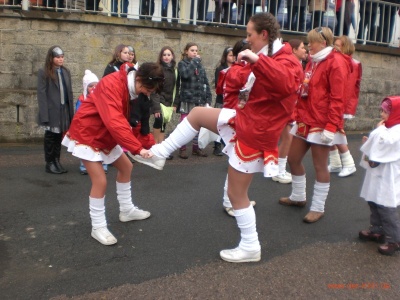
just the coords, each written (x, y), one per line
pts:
(88, 42)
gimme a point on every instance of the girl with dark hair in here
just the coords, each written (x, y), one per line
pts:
(195, 90)
(319, 121)
(251, 132)
(170, 93)
(227, 59)
(99, 128)
(56, 106)
(120, 56)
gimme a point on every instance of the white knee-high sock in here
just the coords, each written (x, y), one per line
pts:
(246, 220)
(321, 190)
(282, 165)
(347, 159)
(298, 188)
(334, 159)
(97, 212)
(183, 134)
(124, 196)
(227, 202)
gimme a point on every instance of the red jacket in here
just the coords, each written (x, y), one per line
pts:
(102, 119)
(235, 79)
(353, 88)
(324, 105)
(271, 100)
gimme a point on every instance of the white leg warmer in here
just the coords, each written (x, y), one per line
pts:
(347, 159)
(124, 196)
(97, 212)
(298, 188)
(183, 134)
(246, 220)
(334, 159)
(226, 202)
(282, 165)
(321, 191)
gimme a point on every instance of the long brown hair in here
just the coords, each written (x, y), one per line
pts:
(117, 53)
(160, 55)
(266, 21)
(49, 66)
(187, 47)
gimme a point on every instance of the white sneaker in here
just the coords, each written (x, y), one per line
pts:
(135, 214)
(154, 161)
(104, 236)
(347, 171)
(283, 178)
(230, 211)
(334, 169)
(238, 255)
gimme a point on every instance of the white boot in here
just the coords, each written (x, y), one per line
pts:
(128, 212)
(100, 231)
(249, 249)
(348, 165)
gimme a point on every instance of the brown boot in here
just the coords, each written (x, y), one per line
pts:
(367, 235)
(183, 154)
(286, 201)
(389, 248)
(313, 216)
(199, 152)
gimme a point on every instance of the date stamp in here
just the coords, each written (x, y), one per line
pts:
(360, 286)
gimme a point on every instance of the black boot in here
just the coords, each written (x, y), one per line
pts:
(57, 152)
(49, 152)
(217, 149)
(52, 168)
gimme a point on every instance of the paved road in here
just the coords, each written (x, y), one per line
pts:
(46, 250)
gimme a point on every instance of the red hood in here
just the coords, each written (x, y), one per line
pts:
(394, 117)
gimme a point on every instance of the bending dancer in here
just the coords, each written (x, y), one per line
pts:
(251, 132)
(319, 120)
(97, 130)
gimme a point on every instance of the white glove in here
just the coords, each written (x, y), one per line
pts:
(327, 136)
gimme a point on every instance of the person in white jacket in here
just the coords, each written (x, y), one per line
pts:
(381, 159)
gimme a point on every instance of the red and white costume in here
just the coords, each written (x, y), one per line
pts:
(324, 106)
(251, 134)
(101, 123)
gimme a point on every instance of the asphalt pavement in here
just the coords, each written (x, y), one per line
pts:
(46, 251)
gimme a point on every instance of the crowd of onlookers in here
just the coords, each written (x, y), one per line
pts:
(374, 22)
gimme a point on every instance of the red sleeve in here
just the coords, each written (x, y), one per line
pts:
(278, 75)
(337, 78)
(109, 102)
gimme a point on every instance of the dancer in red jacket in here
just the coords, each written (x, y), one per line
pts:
(319, 120)
(96, 133)
(252, 130)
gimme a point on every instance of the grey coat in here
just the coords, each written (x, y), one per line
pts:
(49, 99)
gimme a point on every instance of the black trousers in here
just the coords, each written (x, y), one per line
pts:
(52, 146)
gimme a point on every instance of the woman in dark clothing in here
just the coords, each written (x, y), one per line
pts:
(120, 56)
(169, 96)
(56, 108)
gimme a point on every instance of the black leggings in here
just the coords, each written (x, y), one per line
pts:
(158, 123)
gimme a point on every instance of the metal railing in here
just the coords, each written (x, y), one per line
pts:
(365, 21)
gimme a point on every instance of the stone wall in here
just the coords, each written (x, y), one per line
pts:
(88, 42)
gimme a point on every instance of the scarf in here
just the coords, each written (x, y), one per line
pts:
(321, 55)
(131, 85)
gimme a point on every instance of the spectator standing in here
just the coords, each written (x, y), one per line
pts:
(296, 15)
(195, 90)
(56, 106)
(175, 10)
(146, 10)
(169, 94)
(317, 9)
